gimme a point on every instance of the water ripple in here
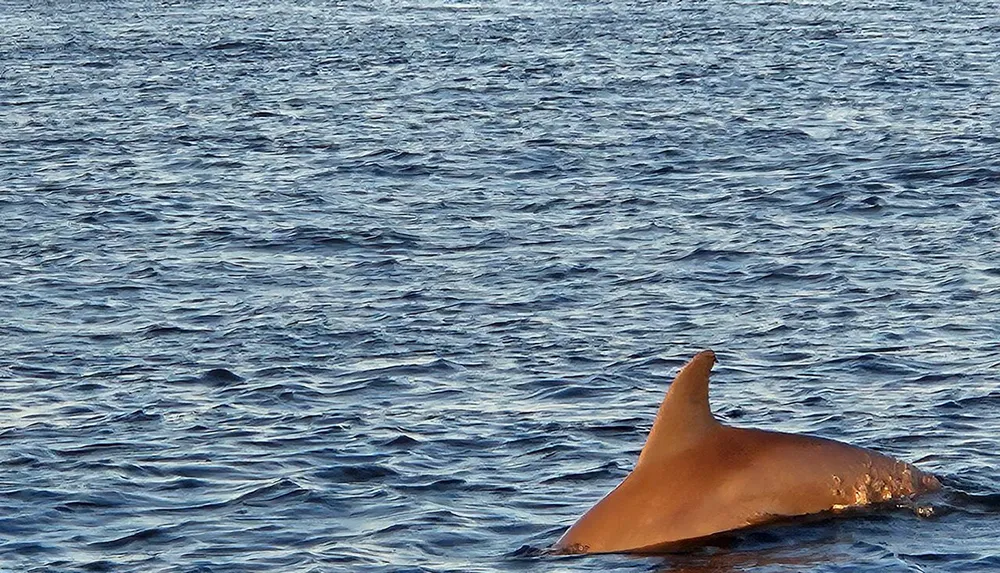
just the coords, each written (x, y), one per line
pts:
(304, 286)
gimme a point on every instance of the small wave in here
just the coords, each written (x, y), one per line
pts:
(408, 365)
(527, 552)
(137, 417)
(32, 548)
(401, 441)
(103, 448)
(959, 496)
(155, 330)
(184, 483)
(607, 471)
(542, 205)
(441, 485)
(216, 377)
(977, 177)
(715, 255)
(309, 238)
(988, 401)
(92, 501)
(221, 376)
(356, 474)
(238, 46)
(874, 363)
(146, 537)
(281, 490)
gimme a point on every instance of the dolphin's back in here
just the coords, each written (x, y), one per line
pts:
(696, 477)
(773, 474)
(736, 478)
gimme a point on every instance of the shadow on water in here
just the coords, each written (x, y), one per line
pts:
(967, 496)
(787, 547)
(783, 558)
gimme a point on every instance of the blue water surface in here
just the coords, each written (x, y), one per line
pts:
(311, 285)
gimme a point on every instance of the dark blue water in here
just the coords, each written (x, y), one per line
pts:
(397, 286)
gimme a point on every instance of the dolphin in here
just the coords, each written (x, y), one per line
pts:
(697, 477)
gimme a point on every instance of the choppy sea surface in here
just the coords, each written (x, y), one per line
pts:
(398, 286)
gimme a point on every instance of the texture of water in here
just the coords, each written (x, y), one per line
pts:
(398, 286)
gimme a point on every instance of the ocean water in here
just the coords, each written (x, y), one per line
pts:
(398, 286)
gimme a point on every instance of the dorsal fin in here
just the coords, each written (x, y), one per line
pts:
(684, 415)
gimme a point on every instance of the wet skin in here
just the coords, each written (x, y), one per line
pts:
(696, 477)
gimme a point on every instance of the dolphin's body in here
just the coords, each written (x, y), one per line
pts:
(696, 477)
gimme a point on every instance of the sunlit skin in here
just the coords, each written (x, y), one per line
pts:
(696, 477)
